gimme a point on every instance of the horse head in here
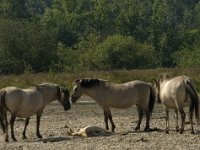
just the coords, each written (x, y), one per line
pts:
(76, 91)
(163, 77)
(156, 87)
(83, 84)
(63, 97)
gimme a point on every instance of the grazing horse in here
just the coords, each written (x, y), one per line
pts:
(176, 93)
(27, 102)
(121, 96)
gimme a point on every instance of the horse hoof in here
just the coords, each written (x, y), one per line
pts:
(192, 132)
(181, 132)
(39, 136)
(167, 131)
(137, 128)
(147, 129)
(14, 140)
(24, 137)
(6, 140)
(177, 129)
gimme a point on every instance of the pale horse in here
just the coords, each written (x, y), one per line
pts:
(176, 93)
(24, 103)
(121, 96)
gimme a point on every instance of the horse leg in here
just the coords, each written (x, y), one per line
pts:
(106, 120)
(191, 122)
(140, 113)
(2, 125)
(182, 119)
(6, 127)
(147, 113)
(167, 120)
(176, 115)
(110, 118)
(12, 121)
(191, 119)
(26, 124)
(38, 125)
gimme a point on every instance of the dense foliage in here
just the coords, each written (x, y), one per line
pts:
(69, 35)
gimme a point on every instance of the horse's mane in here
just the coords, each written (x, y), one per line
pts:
(45, 84)
(90, 82)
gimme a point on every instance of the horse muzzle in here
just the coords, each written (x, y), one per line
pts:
(67, 105)
(73, 99)
(66, 108)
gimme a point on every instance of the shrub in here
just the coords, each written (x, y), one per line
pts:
(121, 52)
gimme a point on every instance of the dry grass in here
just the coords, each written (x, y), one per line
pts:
(119, 76)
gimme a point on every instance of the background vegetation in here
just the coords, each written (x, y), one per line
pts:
(119, 76)
(75, 35)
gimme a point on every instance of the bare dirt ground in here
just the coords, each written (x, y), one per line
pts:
(54, 131)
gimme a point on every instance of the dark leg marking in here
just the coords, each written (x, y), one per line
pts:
(106, 120)
(140, 113)
(182, 119)
(26, 124)
(176, 115)
(167, 120)
(12, 121)
(38, 125)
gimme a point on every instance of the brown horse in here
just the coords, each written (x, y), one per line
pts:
(27, 102)
(121, 96)
(176, 93)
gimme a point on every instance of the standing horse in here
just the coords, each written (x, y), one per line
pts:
(109, 95)
(27, 102)
(176, 93)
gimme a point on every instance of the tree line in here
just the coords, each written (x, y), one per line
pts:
(71, 35)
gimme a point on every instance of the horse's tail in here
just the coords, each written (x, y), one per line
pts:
(2, 109)
(194, 104)
(152, 99)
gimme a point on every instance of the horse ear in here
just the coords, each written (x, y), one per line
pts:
(78, 81)
(2, 93)
(155, 82)
(164, 76)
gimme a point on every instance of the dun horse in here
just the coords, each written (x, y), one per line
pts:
(121, 96)
(27, 102)
(176, 93)
(90, 131)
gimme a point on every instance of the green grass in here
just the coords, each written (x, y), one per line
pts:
(118, 76)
